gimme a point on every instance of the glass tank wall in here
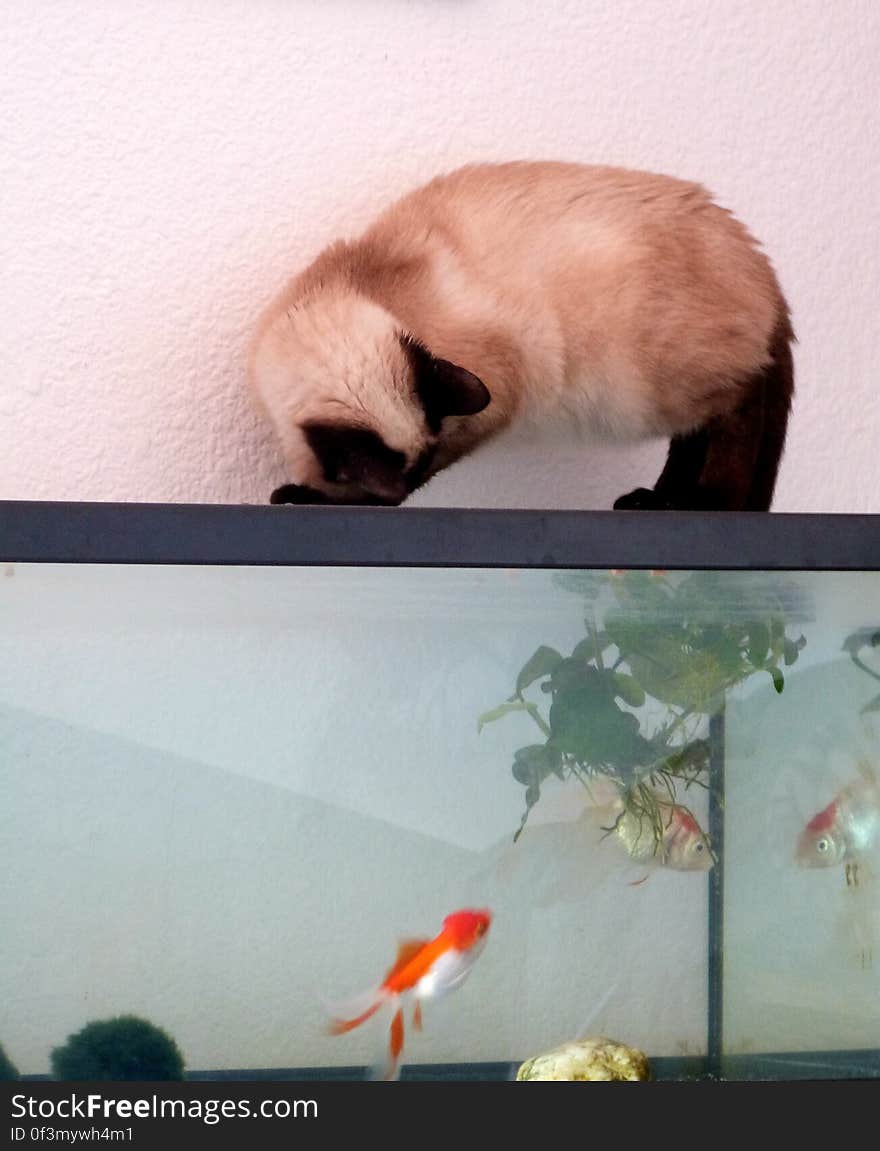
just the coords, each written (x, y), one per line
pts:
(228, 793)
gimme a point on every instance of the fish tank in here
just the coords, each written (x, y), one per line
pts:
(346, 793)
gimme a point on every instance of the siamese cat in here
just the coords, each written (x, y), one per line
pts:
(619, 303)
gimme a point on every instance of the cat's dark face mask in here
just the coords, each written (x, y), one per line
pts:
(360, 468)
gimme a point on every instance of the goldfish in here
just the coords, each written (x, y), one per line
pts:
(845, 830)
(678, 842)
(682, 846)
(548, 861)
(423, 969)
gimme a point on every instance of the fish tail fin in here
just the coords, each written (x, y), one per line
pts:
(868, 773)
(346, 1016)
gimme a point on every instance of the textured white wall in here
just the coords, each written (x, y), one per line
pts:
(166, 165)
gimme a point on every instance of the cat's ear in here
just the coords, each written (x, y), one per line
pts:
(461, 393)
(444, 388)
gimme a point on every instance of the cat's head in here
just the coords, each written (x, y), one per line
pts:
(358, 402)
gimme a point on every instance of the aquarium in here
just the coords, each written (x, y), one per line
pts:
(331, 793)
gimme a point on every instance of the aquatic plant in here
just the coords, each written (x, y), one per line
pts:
(854, 645)
(629, 702)
(8, 1070)
(124, 1048)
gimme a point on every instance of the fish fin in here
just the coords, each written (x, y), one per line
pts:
(604, 795)
(351, 1013)
(547, 865)
(636, 882)
(604, 815)
(417, 1015)
(868, 772)
(396, 1034)
(388, 1069)
(407, 950)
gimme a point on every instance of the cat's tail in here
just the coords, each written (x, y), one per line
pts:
(777, 385)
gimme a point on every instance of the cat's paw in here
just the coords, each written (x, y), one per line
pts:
(297, 494)
(642, 499)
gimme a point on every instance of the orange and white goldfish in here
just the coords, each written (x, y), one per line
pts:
(424, 969)
(547, 863)
(845, 830)
(682, 846)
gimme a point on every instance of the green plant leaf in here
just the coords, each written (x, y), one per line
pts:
(592, 728)
(531, 765)
(759, 643)
(669, 671)
(542, 663)
(499, 712)
(586, 649)
(574, 674)
(554, 759)
(689, 760)
(629, 689)
(642, 591)
(792, 649)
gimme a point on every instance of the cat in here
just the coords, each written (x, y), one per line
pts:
(619, 302)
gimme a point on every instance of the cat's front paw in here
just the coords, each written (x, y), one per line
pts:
(641, 499)
(297, 494)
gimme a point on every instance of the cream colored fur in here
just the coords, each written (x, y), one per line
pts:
(613, 301)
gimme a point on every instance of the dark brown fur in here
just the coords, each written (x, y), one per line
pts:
(733, 461)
